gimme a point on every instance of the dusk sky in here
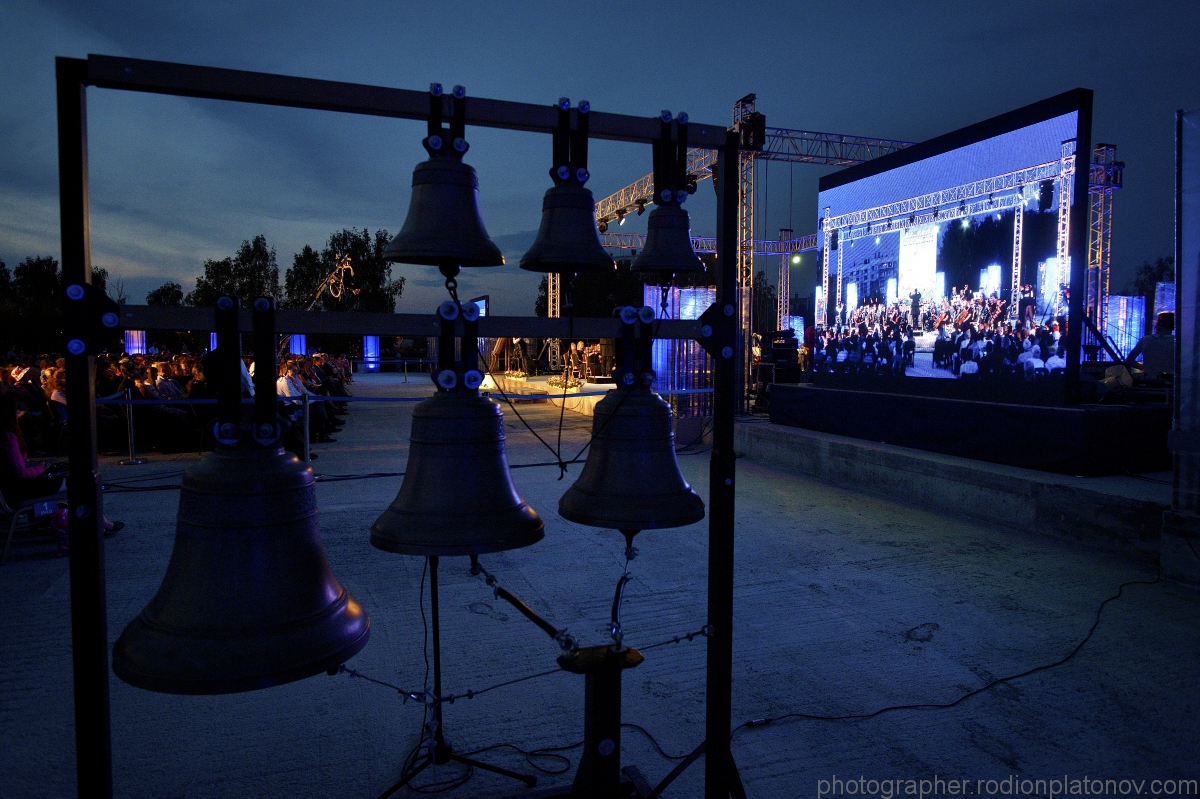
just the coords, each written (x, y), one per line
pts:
(176, 181)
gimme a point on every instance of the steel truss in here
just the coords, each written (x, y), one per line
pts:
(708, 244)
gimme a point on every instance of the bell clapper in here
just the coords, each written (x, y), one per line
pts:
(565, 640)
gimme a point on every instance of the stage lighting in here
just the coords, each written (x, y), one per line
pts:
(796, 258)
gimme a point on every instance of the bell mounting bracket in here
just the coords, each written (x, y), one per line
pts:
(446, 142)
(224, 371)
(634, 348)
(670, 161)
(458, 321)
(570, 147)
(718, 330)
(93, 319)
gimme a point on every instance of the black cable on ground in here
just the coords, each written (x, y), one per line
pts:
(942, 706)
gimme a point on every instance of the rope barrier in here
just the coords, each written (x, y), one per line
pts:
(321, 398)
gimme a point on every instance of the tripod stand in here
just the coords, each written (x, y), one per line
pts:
(440, 752)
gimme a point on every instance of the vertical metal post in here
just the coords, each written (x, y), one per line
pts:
(718, 762)
(133, 459)
(307, 445)
(89, 615)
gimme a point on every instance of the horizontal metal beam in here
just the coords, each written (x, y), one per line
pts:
(154, 317)
(184, 80)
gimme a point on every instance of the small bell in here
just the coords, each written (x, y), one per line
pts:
(668, 242)
(457, 496)
(443, 227)
(248, 600)
(631, 479)
(669, 230)
(567, 239)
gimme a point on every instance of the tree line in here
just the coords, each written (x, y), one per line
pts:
(31, 301)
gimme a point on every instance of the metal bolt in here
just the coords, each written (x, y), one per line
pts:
(727, 352)
(728, 309)
(680, 196)
(76, 346)
(266, 430)
(435, 142)
(109, 319)
(262, 304)
(435, 89)
(728, 481)
(460, 91)
(628, 378)
(225, 303)
(448, 310)
(564, 103)
(228, 430)
(75, 291)
(582, 175)
(665, 116)
(82, 511)
(666, 195)
(472, 379)
(447, 379)
(683, 117)
(606, 747)
(584, 106)
(460, 144)
(706, 331)
(564, 172)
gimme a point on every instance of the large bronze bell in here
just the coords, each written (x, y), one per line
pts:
(248, 600)
(443, 227)
(567, 239)
(631, 480)
(668, 242)
(457, 497)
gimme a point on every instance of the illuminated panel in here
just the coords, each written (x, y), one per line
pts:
(370, 353)
(918, 260)
(298, 344)
(135, 342)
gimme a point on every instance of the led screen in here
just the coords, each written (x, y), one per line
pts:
(957, 257)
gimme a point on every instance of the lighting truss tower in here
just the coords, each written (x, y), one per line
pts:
(743, 123)
(554, 311)
(1106, 175)
(784, 284)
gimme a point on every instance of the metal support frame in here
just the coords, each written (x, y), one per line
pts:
(1066, 188)
(1014, 297)
(783, 295)
(822, 303)
(716, 332)
(1106, 175)
(743, 111)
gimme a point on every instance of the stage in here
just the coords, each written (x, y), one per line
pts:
(1077, 440)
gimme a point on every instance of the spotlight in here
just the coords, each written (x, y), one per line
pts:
(796, 258)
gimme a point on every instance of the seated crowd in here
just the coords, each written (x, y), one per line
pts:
(972, 350)
(37, 386)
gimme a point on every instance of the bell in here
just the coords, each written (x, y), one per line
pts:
(668, 242)
(443, 227)
(631, 479)
(457, 497)
(248, 600)
(567, 240)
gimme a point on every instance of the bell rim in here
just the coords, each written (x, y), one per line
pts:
(123, 666)
(613, 522)
(522, 516)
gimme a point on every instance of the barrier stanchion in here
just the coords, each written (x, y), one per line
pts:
(307, 445)
(133, 459)
(406, 371)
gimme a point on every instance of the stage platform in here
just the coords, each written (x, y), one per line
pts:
(1122, 513)
(1088, 440)
(581, 399)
